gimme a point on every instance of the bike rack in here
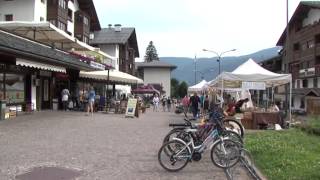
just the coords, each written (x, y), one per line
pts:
(245, 156)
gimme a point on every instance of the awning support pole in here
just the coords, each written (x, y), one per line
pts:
(290, 101)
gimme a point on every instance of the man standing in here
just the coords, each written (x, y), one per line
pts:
(65, 98)
(195, 100)
(155, 102)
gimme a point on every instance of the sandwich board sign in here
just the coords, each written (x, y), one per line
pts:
(131, 107)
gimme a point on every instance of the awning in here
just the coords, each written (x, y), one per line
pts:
(114, 75)
(47, 33)
(26, 63)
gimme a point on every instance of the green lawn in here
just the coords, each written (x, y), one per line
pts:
(289, 154)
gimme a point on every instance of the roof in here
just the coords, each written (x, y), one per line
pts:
(88, 7)
(155, 64)
(10, 43)
(110, 36)
(307, 91)
(300, 12)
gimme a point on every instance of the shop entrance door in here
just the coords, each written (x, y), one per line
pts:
(45, 94)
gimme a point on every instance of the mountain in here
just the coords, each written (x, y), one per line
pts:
(209, 67)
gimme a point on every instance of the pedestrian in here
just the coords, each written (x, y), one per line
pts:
(185, 104)
(195, 100)
(65, 98)
(155, 102)
(202, 103)
(169, 102)
(164, 99)
(206, 105)
(91, 98)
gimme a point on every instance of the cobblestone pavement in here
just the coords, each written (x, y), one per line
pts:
(102, 146)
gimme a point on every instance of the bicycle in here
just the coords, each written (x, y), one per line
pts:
(225, 152)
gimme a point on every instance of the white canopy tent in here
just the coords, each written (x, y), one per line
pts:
(250, 71)
(201, 86)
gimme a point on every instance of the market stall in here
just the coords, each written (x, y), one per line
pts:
(200, 87)
(251, 76)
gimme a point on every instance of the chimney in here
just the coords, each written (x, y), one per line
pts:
(117, 27)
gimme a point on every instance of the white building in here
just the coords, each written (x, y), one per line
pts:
(156, 73)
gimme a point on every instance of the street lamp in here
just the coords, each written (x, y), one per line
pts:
(219, 55)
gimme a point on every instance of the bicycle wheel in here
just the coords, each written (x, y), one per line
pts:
(173, 156)
(233, 125)
(225, 153)
(177, 132)
(233, 136)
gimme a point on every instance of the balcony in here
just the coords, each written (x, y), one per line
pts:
(82, 26)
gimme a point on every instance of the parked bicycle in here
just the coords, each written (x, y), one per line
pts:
(174, 155)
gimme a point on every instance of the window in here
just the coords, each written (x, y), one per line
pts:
(310, 44)
(296, 46)
(86, 39)
(14, 88)
(85, 20)
(42, 1)
(70, 15)
(298, 83)
(302, 103)
(317, 38)
(61, 26)
(62, 4)
(41, 19)
(305, 83)
(8, 17)
(317, 60)
(315, 82)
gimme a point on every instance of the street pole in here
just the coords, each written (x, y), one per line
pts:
(195, 69)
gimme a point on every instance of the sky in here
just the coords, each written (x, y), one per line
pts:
(182, 28)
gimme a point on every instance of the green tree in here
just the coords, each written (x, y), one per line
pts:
(182, 89)
(174, 87)
(151, 53)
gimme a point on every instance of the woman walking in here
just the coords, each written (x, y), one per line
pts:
(92, 96)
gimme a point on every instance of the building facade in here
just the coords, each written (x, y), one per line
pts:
(51, 37)
(301, 56)
(120, 43)
(156, 73)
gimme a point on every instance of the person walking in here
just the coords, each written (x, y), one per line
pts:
(65, 98)
(195, 100)
(91, 98)
(185, 104)
(206, 105)
(155, 102)
(169, 102)
(164, 99)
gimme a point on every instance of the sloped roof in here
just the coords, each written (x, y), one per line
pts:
(155, 64)
(88, 7)
(300, 13)
(29, 49)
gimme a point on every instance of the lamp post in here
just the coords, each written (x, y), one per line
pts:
(219, 55)
(219, 61)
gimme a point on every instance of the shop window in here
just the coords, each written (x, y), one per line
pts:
(8, 17)
(14, 86)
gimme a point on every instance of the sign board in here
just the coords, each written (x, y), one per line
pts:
(131, 107)
(254, 85)
(97, 65)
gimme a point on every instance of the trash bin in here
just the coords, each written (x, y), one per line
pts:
(2, 109)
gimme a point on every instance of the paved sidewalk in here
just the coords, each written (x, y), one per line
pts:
(102, 146)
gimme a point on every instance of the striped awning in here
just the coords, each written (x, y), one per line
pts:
(37, 65)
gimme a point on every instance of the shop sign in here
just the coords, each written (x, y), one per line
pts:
(97, 65)
(131, 107)
(254, 85)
